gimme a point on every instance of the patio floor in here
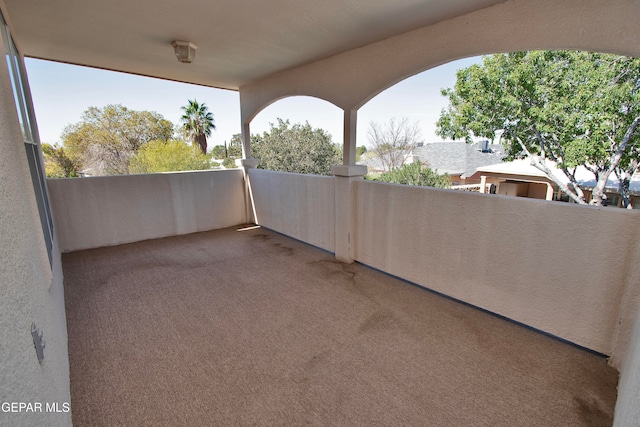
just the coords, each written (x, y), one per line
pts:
(250, 327)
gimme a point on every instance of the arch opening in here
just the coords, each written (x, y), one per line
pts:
(299, 134)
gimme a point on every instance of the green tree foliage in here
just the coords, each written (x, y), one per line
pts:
(414, 174)
(360, 151)
(232, 150)
(197, 124)
(219, 151)
(57, 164)
(168, 156)
(235, 146)
(572, 108)
(229, 163)
(106, 138)
(297, 148)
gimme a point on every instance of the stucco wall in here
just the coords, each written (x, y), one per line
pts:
(627, 412)
(558, 267)
(300, 206)
(30, 289)
(111, 210)
(350, 79)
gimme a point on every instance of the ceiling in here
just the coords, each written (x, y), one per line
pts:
(239, 41)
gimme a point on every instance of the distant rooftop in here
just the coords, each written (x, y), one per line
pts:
(585, 178)
(458, 157)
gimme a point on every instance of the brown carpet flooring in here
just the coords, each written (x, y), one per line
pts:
(253, 328)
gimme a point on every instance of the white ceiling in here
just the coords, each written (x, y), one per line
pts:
(239, 41)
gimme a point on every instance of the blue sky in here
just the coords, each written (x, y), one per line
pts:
(61, 92)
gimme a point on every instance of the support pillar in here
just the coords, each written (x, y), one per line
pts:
(349, 147)
(246, 141)
(248, 163)
(250, 210)
(483, 184)
(345, 175)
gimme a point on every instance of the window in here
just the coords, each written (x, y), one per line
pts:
(32, 147)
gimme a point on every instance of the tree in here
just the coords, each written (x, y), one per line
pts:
(229, 163)
(106, 139)
(197, 124)
(414, 174)
(57, 164)
(168, 156)
(219, 151)
(360, 151)
(394, 142)
(232, 150)
(297, 148)
(563, 109)
(235, 146)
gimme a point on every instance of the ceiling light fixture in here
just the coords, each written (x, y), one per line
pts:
(185, 51)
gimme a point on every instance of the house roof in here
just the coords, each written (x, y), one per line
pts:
(453, 158)
(239, 41)
(458, 157)
(586, 179)
(520, 167)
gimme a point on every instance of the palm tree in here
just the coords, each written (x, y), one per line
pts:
(197, 124)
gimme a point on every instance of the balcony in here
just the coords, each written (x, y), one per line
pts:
(568, 271)
(262, 325)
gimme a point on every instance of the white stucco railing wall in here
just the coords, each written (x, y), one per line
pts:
(110, 210)
(560, 268)
(299, 206)
(627, 410)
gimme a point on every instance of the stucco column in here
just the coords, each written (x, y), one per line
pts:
(246, 141)
(246, 163)
(349, 146)
(483, 184)
(250, 210)
(345, 175)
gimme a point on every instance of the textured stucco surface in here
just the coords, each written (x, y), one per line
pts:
(300, 206)
(110, 210)
(536, 262)
(350, 79)
(561, 268)
(30, 290)
(627, 412)
(582, 288)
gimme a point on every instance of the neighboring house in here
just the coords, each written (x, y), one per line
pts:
(456, 158)
(521, 179)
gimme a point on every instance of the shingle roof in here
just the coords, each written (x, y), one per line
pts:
(458, 157)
